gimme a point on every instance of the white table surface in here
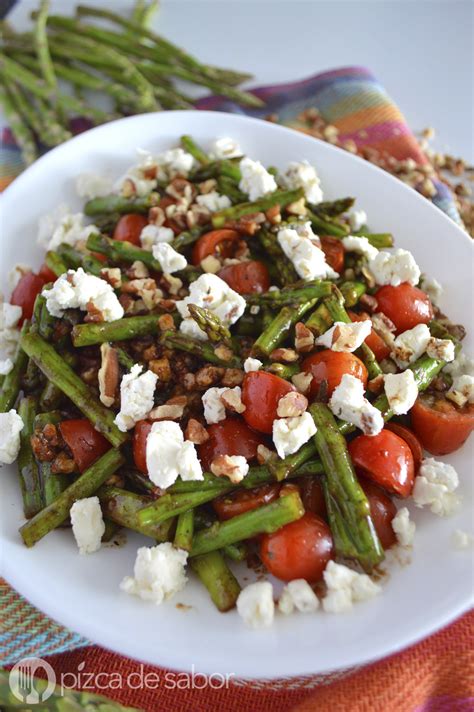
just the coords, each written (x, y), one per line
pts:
(421, 50)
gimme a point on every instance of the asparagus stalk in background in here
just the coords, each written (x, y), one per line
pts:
(19, 128)
(130, 327)
(27, 468)
(202, 349)
(219, 580)
(42, 48)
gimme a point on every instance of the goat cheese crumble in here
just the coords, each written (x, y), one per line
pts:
(255, 604)
(298, 594)
(212, 292)
(410, 345)
(168, 455)
(153, 235)
(432, 288)
(170, 260)
(435, 486)
(345, 337)
(394, 268)
(11, 426)
(78, 290)
(225, 147)
(403, 527)
(252, 364)
(93, 185)
(256, 181)
(87, 524)
(289, 434)
(442, 349)
(348, 403)
(345, 587)
(9, 334)
(301, 246)
(462, 390)
(401, 391)
(62, 226)
(301, 174)
(357, 219)
(158, 574)
(213, 201)
(136, 397)
(360, 245)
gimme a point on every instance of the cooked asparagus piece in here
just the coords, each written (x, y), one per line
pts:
(122, 507)
(130, 327)
(202, 349)
(27, 468)
(183, 538)
(52, 484)
(279, 197)
(189, 145)
(12, 382)
(210, 324)
(118, 251)
(277, 331)
(219, 580)
(293, 295)
(118, 204)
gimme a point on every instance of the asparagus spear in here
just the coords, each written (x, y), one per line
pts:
(266, 519)
(19, 128)
(201, 349)
(346, 493)
(235, 552)
(183, 538)
(214, 169)
(86, 485)
(379, 240)
(42, 48)
(191, 147)
(186, 238)
(333, 208)
(210, 324)
(55, 263)
(293, 295)
(170, 505)
(219, 580)
(279, 197)
(327, 227)
(52, 484)
(12, 383)
(27, 467)
(352, 292)
(227, 186)
(122, 507)
(284, 370)
(118, 251)
(130, 327)
(285, 270)
(58, 372)
(277, 331)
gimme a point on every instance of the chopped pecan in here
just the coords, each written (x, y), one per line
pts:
(156, 216)
(273, 215)
(232, 399)
(226, 466)
(247, 224)
(304, 338)
(182, 190)
(138, 270)
(195, 432)
(108, 375)
(94, 315)
(127, 302)
(171, 284)
(369, 302)
(208, 376)
(166, 323)
(291, 405)
(302, 381)
(286, 355)
(150, 352)
(189, 381)
(207, 186)
(232, 377)
(162, 368)
(112, 275)
(223, 352)
(375, 385)
(116, 480)
(166, 412)
(63, 464)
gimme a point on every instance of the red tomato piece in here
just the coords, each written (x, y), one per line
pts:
(382, 511)
(373, 341)
(331, 366)
(246, 277)
(300, 549)
(129, 227)
(334, 252)
(261, 392)
(231, 436)
(46, 274)
(385, 459)
(312, 495)
(140, 434)
(25, 293)
(85, 443)
(441, 426)
(217, 242)
(230, 505)
(405, 306)
(411, 440)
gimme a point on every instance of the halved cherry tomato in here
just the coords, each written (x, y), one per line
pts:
(231, 436)
(261, 392)
(405, 306)
(385, 459)
(382, 511)
(46, 274)
(334, 252)
(331, 366)
(140, 434)
(246, 277)
(129, 227)
(411, 440)
(85, 443)
(312, 495)
(441, 426)
(230, 505)
(216, 242)
(300, 549)
(25, 293)
(373, 341)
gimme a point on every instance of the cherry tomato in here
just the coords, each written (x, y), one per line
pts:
(385, 459)
(231, 436)
(373, 341)
(441, 426)
(230, 505)
(246, 277)
(300, 549)
(331, 366)
(46, 274)
(405, 306)
(261, 392)
(334, 252)
(382, 511)
(25, 293)
(411, 440)
(216, 242)
(129, 227)
(140, 434)
(312, 495)
(85, 443)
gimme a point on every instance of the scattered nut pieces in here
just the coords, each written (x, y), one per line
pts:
(292, 405)
(195, 432)
(166, 412)
(166, 323)
(138, 270)
(304, 338)
(223, 352)
(235, 467)
(112, 275)
(162, 368)
(108, 375)
(286, 355)
(232, 377)
(302, 381)
(232, 399)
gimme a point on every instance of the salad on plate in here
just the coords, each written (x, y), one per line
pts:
(216, 357)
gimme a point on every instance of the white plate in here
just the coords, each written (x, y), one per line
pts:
(82, 593)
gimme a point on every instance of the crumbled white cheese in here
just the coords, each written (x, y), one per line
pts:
(11, 426)
(10, 315)
(211, 264)
(432, 288)
(93, 185)
(289, 434)
(176, 161)
(212, 292)
(394, 268)
(256, 181)
(214, 408)
(357, 219)
(6, 365)
(154, 234)
(348, 403)
(170, 260)
(168, 455)
(360, 245)
(255, 604)
(303, 175)
(298, 594)
(77, 290)
(136, 397)
(410, 345)
(401, 391)
(158, 574)
(252, 364)
(462, 540)
(9, 333)
(87, 524)
(213, 201)
(345, 587)
(63, 226)
(462, 390)
(435, 486)
(442, 349)
(301, 246)
(403, 527)
(345, 337)
(225, 147)
(461, 365)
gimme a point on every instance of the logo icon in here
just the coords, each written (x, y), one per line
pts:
(25, 687)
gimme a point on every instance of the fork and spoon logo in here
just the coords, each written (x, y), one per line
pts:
(25, 687)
